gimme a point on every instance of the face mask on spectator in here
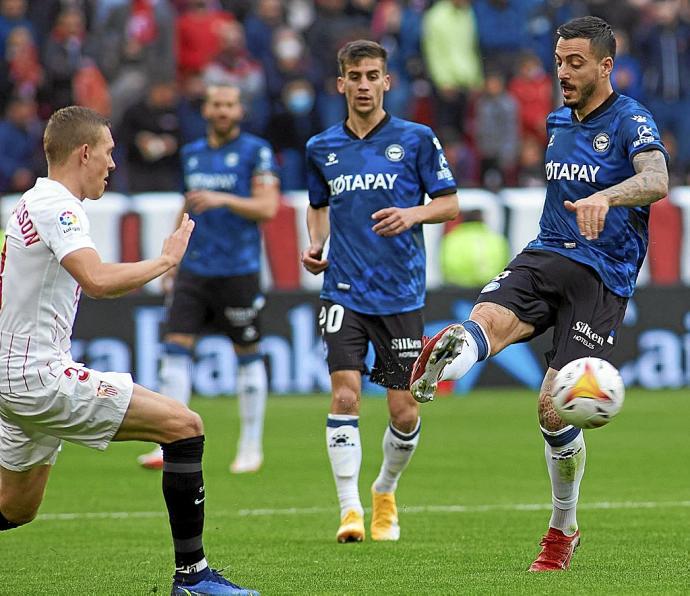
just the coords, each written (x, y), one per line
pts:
(288, 49)
(300, 101)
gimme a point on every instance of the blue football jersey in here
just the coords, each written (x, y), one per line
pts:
(393, 166)
(583, 158)
(224, 243)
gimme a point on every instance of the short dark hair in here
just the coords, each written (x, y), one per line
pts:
(354, 51)
(598, 31)
(69, 128)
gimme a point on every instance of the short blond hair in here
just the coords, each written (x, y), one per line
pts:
(69, 128)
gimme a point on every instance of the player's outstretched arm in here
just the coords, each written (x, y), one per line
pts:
(649, 184)
(319, 228)
(109, 280)
(262, 205)
(392, 221)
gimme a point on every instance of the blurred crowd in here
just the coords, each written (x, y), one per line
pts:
(480, 72)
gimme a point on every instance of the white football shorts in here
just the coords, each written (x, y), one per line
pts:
(78, 404)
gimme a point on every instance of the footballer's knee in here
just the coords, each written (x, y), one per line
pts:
(13, 516)
(185, 424)
(345, 401)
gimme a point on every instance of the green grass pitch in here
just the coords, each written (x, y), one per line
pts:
(473, 506)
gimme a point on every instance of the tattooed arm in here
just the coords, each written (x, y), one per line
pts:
(649, 184)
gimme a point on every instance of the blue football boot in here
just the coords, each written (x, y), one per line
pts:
(211, 582)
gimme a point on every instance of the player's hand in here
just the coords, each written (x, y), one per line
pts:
(175, 245)
(394, 220)
(199, 201)
(312, 260)
(591, 215)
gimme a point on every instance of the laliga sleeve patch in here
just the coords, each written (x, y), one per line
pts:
(68, 223)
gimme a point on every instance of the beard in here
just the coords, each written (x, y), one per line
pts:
(585, 95)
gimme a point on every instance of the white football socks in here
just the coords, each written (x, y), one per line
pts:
(252, 390)
(398, 449)
(176, 377)
(467, 358)
(345, 452)
(566, 465)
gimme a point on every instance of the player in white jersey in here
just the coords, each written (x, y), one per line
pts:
(46, 397)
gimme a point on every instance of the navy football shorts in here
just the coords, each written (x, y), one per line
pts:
(225, 305)
(397, 341)
(546, 289)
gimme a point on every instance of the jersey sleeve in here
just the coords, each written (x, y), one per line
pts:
(64, 227)
(316, 186)
(640, 133)
(432, 166)
(265, 161)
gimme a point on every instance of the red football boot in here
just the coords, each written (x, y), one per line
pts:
(556, 552)
(437, 353)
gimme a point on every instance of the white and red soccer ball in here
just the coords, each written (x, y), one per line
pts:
(588, 392)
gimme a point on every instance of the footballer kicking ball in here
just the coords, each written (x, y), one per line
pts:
(588, 392)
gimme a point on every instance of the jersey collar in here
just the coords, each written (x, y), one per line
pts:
(371, 133)
(598, 111)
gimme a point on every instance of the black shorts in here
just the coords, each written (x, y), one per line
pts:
(227, 305)
(397, 341)
(546, 289)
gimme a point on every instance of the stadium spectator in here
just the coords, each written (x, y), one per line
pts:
(46, 397)
(503, 27)
(294, 117)
(579, 273)
(44, 15)
(259, 27)
(331, 28)
(151, 134)
(13, 15)
(532, 88)
(496, 132)
(627, 71)
(22, 72)
(472, 253)
(234, 66)
(531, 163)
(199, 31)
(190, 118)
(398, 29)
(664, 50)
(367, 177)
(451, 52)
(230, 186)
(136, 45)
(20, 145)
(63, 56)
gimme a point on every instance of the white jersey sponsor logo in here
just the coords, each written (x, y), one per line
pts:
(202, 181)
(345, 183)
(571, 171)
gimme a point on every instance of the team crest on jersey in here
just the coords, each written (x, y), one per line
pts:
(395, 152)
(601, 142)
(641, 118)
(332, 159)
(232, 159)
(645, 135)
(69, 222)
(106, 390)
(192, 163)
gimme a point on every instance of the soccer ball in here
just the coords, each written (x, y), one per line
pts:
(588, 392)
